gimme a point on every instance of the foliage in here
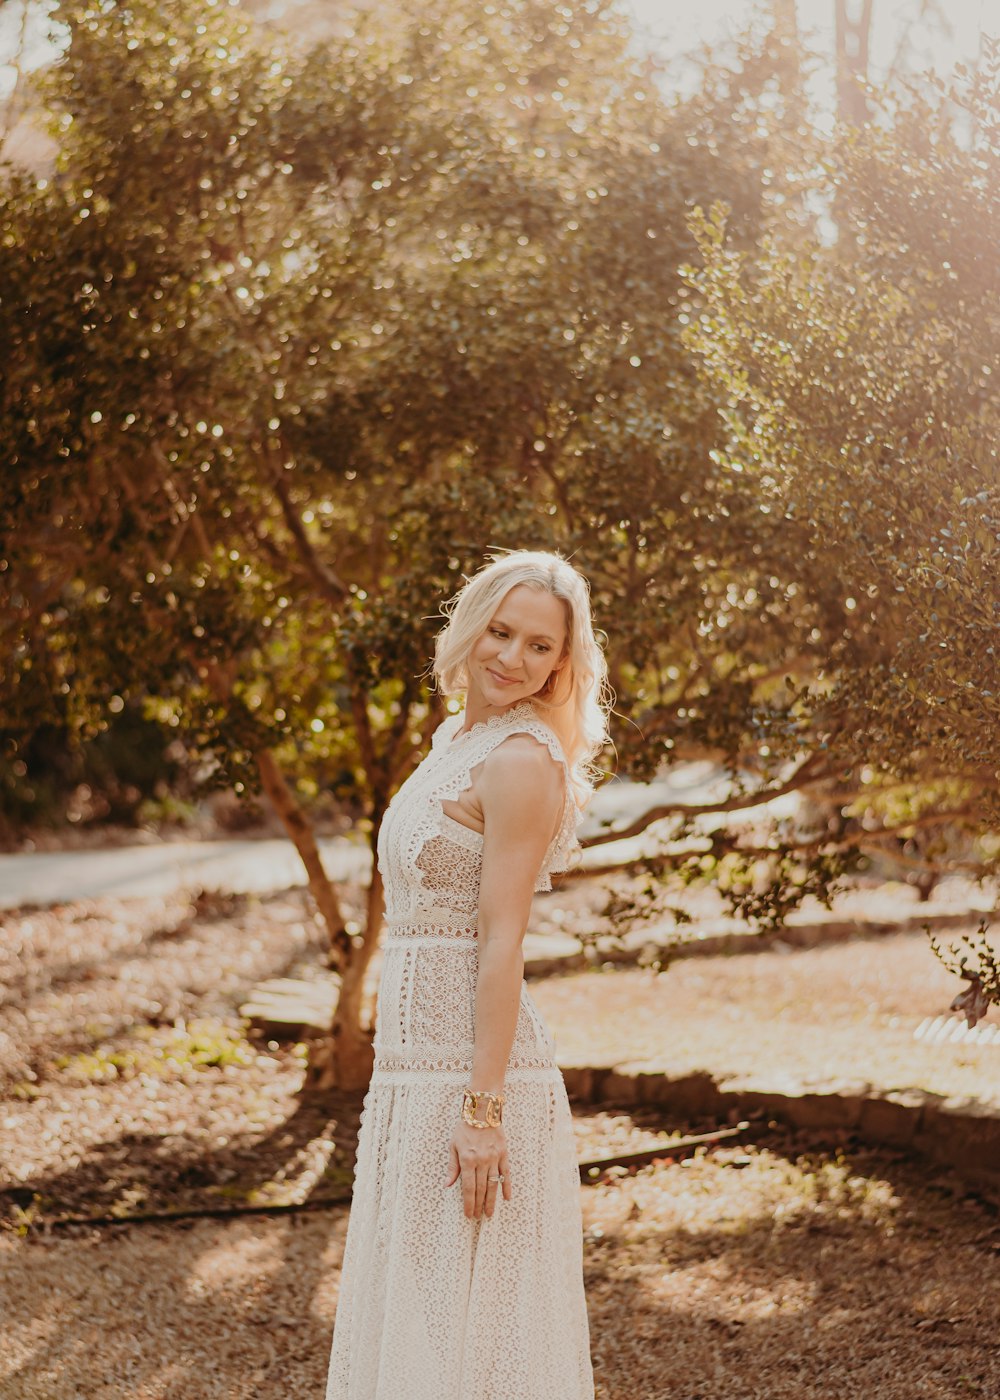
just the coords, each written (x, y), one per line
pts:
(862, 407)
(983, 976)
(295, 332)
(863, 411)
(131, 768)
(286, 331)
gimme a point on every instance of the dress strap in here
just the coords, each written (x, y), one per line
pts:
(479, 741)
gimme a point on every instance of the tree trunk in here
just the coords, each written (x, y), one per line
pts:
(852, 30)
(345, 1059)
(300, 830)
(786, 15)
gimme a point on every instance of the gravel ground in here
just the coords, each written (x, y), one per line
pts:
(73, 976)
(767, 1271)
(126, 1083)
(776, 1266)
(841, 1012)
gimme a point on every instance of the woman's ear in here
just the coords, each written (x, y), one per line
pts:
(555, 675)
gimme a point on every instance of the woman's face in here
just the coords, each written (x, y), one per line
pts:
(520, 649)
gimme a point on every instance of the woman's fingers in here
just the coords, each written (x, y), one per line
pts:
(491, 1191)
(482, 1186)
(479, 1188)
(469, 1191)
(480, 1165)
(454, 1165)
(504, 1167)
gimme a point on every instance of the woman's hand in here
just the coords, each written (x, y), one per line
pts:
(476, 1154)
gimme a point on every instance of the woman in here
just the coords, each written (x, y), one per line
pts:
(462, 1275)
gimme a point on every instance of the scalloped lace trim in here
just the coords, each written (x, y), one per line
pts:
(404, 931)
(454, 1062)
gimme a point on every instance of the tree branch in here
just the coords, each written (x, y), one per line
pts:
(676, 809)
(722, 841)
(330, 584)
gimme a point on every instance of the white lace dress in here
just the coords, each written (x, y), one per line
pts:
(434, 1306)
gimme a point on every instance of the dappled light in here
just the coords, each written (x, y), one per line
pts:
(307, 311)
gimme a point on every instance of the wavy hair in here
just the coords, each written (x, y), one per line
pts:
(576, 700)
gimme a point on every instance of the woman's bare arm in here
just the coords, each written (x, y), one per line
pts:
(521, 793)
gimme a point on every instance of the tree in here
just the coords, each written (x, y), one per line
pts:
(296, 333)
(268, 293)
(852, 30)
(862, 406)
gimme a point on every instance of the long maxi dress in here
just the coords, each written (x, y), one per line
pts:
(434, 1306)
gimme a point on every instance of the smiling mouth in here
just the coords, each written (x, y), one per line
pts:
(502, 679)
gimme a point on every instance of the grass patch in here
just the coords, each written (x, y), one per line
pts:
(165, 1052)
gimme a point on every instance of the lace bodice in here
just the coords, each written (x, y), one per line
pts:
(431, 865)
(429, 861)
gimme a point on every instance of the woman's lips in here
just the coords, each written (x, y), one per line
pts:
(500, 680)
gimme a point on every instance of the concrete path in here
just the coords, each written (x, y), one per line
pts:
(61, 877)
(242, 866)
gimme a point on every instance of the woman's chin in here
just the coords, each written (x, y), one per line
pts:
(508, 692)
(502, 696)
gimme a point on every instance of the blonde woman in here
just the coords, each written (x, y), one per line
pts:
(462, 1276)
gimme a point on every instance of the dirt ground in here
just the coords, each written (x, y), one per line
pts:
(127, 1083)
(843, 1012)
(773, 1265)
(764, 1270)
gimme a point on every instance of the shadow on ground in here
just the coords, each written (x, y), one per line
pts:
(776, 1269)
(308, 1157)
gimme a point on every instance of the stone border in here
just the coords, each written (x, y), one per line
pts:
(960, 1134)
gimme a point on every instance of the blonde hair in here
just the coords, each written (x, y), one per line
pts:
(576, 699)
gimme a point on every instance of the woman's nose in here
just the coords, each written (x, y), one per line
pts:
(509, 655)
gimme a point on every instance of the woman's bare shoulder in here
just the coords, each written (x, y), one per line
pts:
(523, 779)
(526, 753)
